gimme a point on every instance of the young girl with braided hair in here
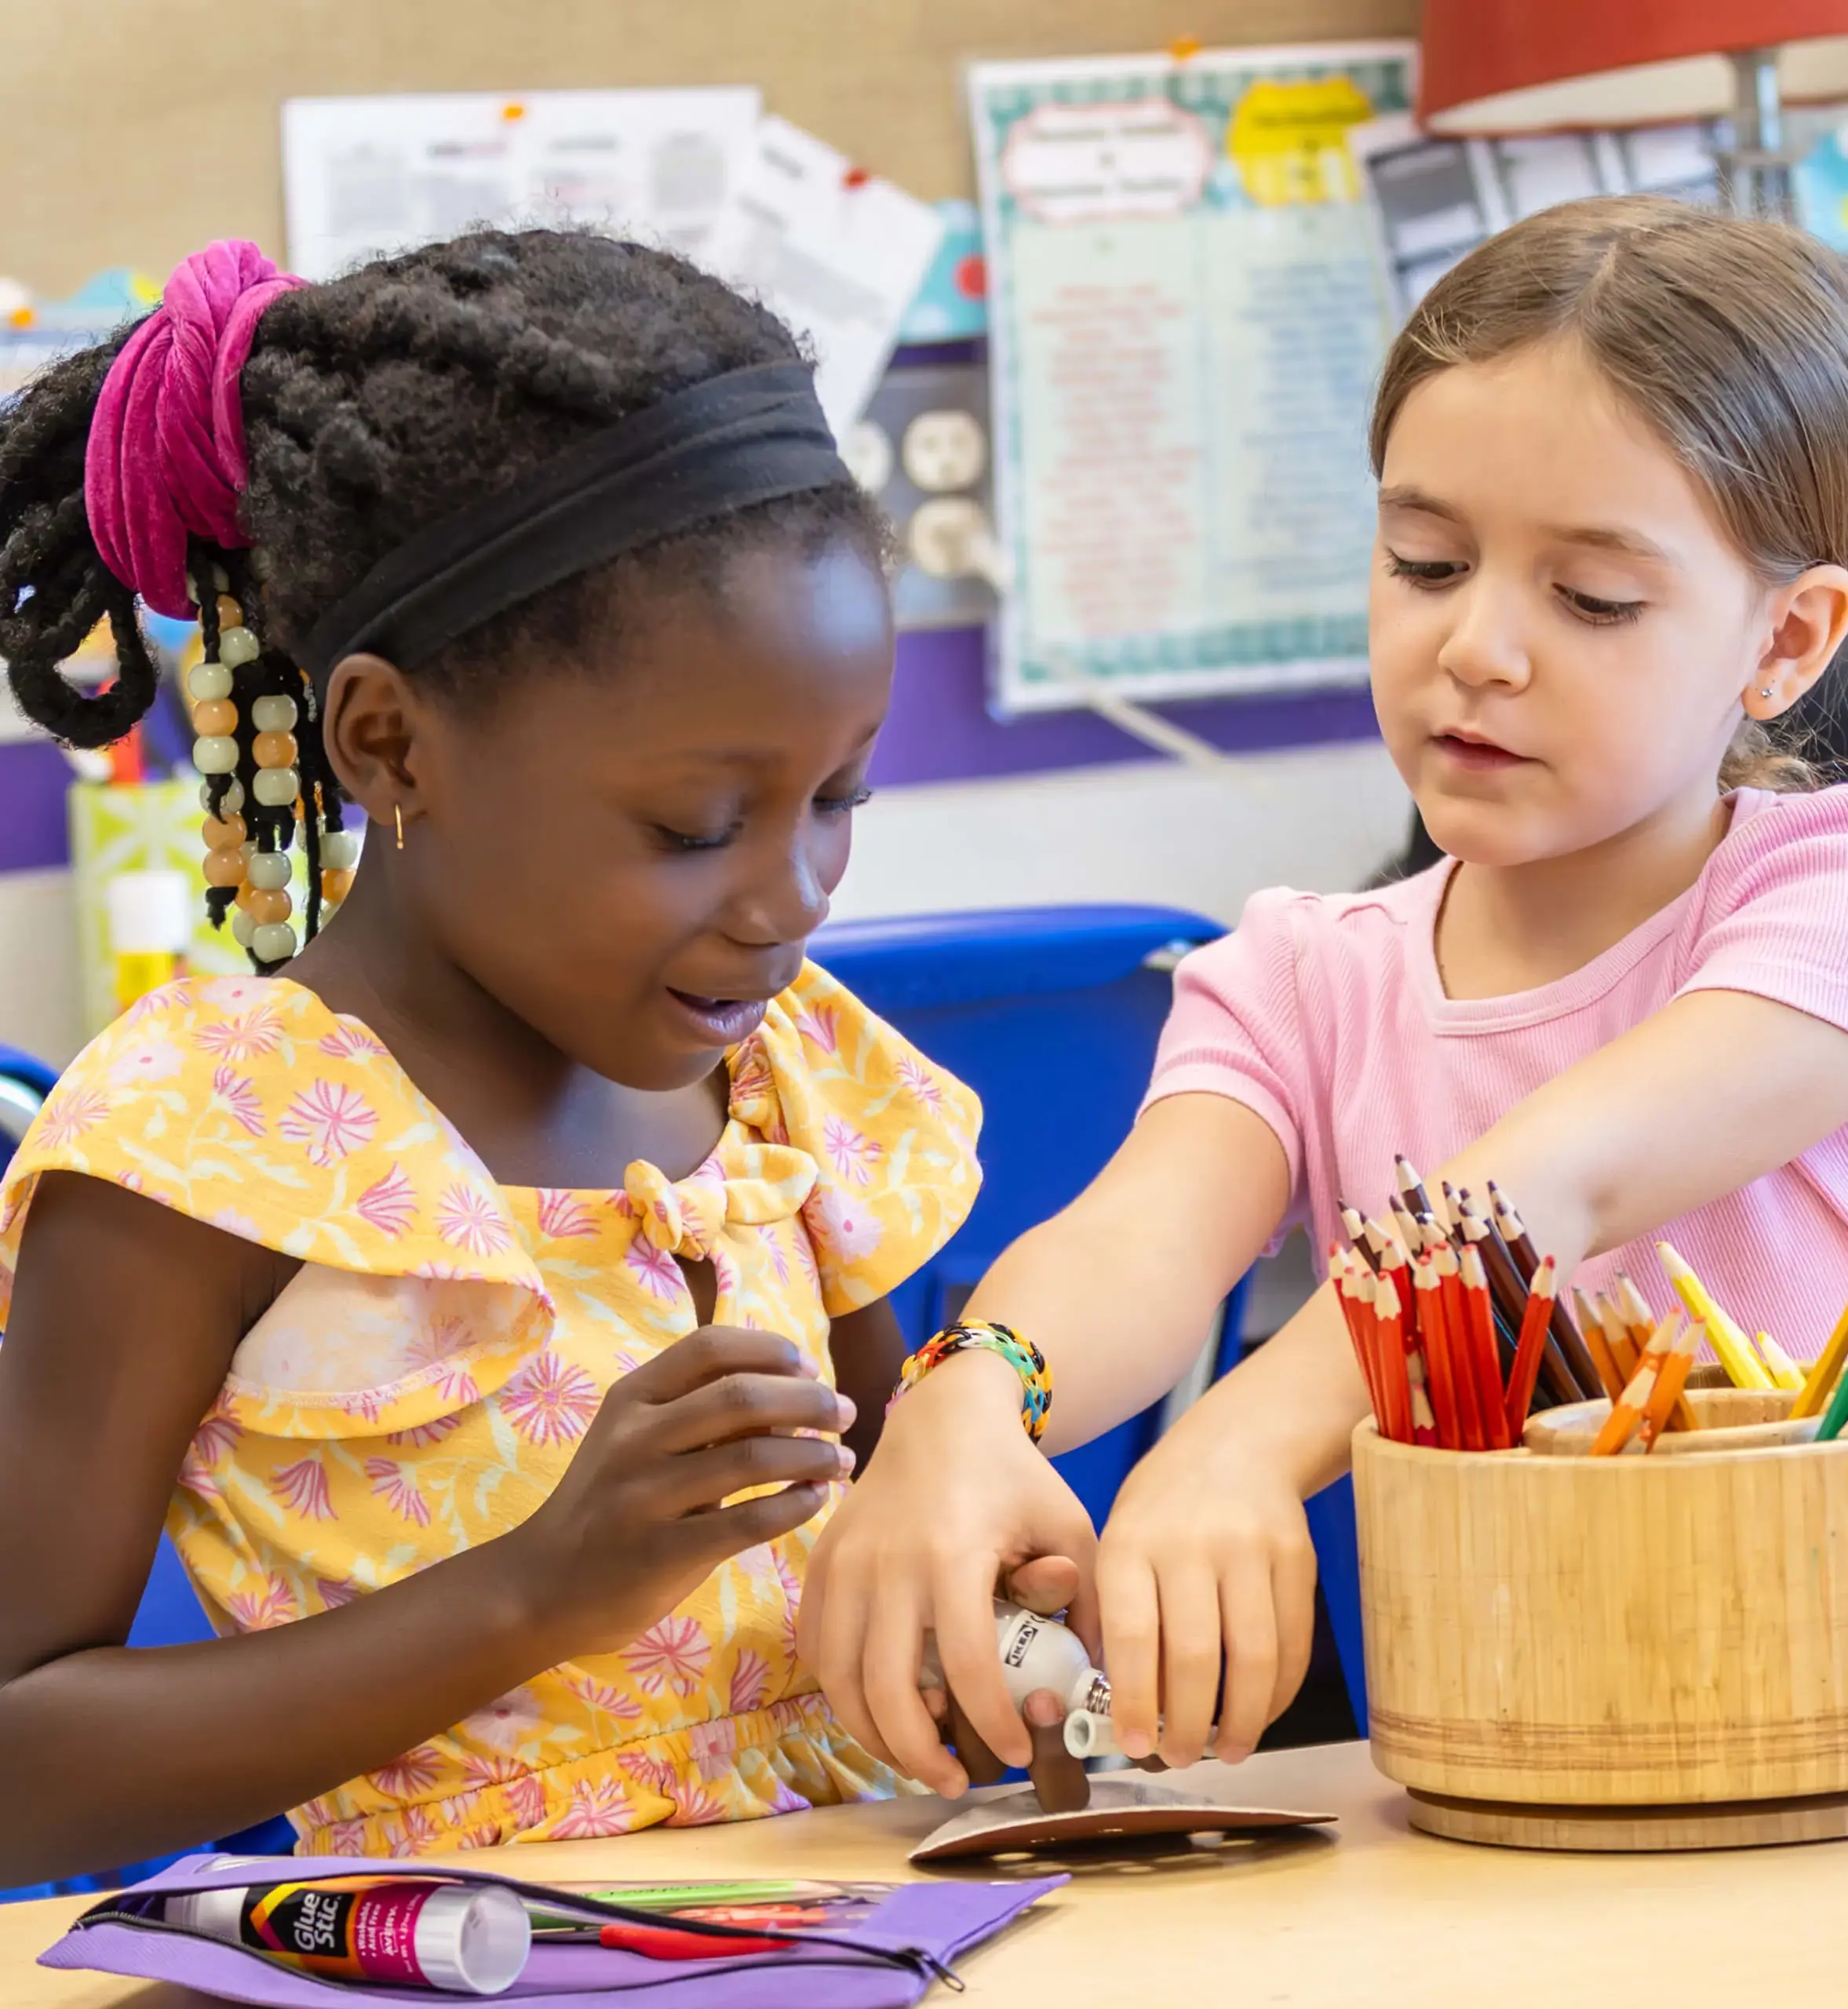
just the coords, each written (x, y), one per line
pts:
(469, 1287)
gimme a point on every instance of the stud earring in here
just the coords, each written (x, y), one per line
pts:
(397, 818)
(1764, 691)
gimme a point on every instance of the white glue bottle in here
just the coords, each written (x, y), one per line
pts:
(1038, 1653)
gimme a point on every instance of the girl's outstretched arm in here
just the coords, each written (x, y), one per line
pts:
(124, 1320)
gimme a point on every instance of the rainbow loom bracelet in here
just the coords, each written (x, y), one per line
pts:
(1022, 1355)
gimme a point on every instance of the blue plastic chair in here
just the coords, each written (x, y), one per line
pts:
(25, 1083)
(1051, 1015)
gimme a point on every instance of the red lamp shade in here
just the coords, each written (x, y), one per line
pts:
(1523, 66)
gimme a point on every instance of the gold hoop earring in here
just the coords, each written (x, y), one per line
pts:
(397, 818)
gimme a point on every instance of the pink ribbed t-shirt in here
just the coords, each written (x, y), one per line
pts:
(1327, 1017)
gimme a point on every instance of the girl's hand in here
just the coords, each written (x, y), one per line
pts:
(955, 1499)
(1206, 1552)
(638, 1520)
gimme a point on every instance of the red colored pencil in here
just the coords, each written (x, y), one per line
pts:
(1480, 1310)
(1347, 1296)
(1439, 1360)
(1474, 1431)
(1395, 1380)
(1527, 1351)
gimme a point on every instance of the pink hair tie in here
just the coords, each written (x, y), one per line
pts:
(165, 460)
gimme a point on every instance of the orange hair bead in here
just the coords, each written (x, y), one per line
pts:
(265, 905)
(224, 866)
(230, 613)
(273, 749)
(216, 716)
(335, 886)
(246, 893)
(223, 832)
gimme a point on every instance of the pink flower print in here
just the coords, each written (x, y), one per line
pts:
(653, 1774)
(236, 993)
(676, 1650)
(597, 1806)
(712, 1746)
(469, 1218)
(417, 1833)
(487, 1835)
(68, 1113)
(232, 1223)
(302, 1489)
(196, 1477)
(143, 1061)
(365, 1402)
(752, 1081)
(420, 1436)
(549, 1402)
(333, 1594)
(605, 1699)
(853, 1153)
(695, 1807)
(217, 1432)
(389, 1204)
(924, 1086)
(508, 1721)
(786, 1799)
(847, 1228)
(350, 1041)
(791, 1579)
(750, 1683)
(482, 1772)
(563, 1216)
(257, 1611)
(654, 1269)
(236, 1094)
(332, 1122)
(248, 1037)
(396, 1484)
(525, 1801)
(416, 1772)
(341, 1838)
(818, 1028)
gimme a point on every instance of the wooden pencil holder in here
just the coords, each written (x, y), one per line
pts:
(1618, 1653)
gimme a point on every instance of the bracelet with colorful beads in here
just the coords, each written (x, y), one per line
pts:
(1022, 1355)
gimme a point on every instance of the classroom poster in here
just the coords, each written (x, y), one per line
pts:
(1186, 321)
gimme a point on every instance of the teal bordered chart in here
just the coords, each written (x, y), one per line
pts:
(1187, 316)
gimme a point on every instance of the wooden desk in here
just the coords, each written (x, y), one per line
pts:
(1376, 1914)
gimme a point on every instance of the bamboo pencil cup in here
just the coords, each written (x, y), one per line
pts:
(1621, 1653)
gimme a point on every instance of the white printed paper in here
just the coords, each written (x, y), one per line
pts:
(1186, 320)
(366, 176)
(838, 253)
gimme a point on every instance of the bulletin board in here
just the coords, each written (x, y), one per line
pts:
(132, 131)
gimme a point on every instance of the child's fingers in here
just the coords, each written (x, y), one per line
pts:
(981, 1763)
(1247, 1610)
(724, 1531)
(962, 1607)
(1046, 1585)
(1189, 1602)
(701, 1479)
(1132, 1644)
(1293, 1585)
(739, 1405)
(893, 1654)
(707, 1354)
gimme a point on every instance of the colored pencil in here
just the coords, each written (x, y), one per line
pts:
(1527, 1352)
(1439, 1368)
(1783, 1370)
(1341, 1274)
(1412, 1187)
(1579, 1370)
(1835, 1415)
(1599, 1346)
(1625, 1348)
(1825, 1373)
(1470, 1418)
(1627, 1411)
(1356, 1230)
(1672, 1377)
(1478, 1311)
(1744, 1368)
(1509, 1292)
(1395, 1382)
(1382, 1240)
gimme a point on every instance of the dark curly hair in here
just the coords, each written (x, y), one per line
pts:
(373, 405)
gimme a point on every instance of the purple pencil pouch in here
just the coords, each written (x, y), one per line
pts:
(888, 1958)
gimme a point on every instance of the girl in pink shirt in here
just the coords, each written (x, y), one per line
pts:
(1613, 453)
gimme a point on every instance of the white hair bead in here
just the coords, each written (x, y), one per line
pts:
(274, 714)
(207, 680)
(273, 942)
(268, 870)
(217, 754)
(276, 787)
(340, 850)
(237, 646)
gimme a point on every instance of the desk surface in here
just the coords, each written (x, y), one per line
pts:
(1376, 1914)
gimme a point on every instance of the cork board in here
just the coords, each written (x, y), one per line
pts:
(133, 131)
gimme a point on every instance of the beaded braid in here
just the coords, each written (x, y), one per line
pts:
(373, 405)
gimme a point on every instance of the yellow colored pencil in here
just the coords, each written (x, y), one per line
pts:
(1784, 1371)
(1825, 1373)
(1744, 1368)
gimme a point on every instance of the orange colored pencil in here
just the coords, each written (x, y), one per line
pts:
(1534, 1323)
(1434, 1340)
(1625, 1349)
(1598, 1345)
(1629, 1409)
(1473, 1432)
(1395, 1383)
(1634, 1309)
(1672, 1377)
(1480, 1312)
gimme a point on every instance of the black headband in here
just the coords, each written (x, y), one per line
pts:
(747, 437)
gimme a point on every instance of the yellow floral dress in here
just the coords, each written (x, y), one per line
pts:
(422, 1382)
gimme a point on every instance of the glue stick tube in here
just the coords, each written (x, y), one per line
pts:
(1036, 1653)
(465, 1939)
